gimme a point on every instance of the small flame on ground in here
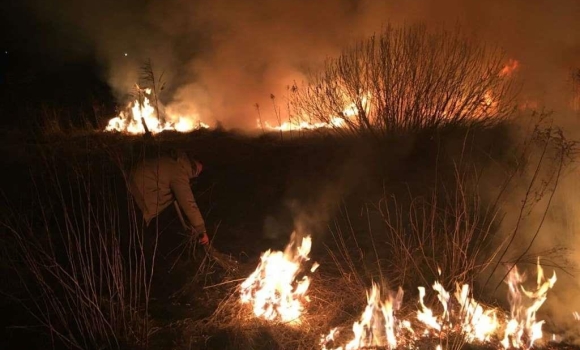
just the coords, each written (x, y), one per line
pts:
(425, 314)
(522, 329)
(276, 290)
(377, 325)
(473, 321)
(140, 113)
(478, 323)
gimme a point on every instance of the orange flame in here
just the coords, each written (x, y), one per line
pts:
(304, 123)
(295, 125)
(276, 290)
(141, 113)
(378, 326)
(510, 67)
(425, 314)
(522, 329)
(478, 324)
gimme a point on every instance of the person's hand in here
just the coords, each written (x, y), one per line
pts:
(203, 238)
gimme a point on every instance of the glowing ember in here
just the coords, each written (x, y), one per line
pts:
(277, 288)
(140, 113)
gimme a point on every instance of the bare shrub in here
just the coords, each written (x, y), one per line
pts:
(79, 257)
(450, 233)
(408, 78)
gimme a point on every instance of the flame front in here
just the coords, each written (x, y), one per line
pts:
(140, 116)
(294, 124)
(277, 288)
(379, 327)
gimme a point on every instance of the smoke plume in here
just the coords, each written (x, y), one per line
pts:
(222, 57)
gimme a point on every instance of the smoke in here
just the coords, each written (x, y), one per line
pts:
(537, 218)
(221, 58)
(560, 237)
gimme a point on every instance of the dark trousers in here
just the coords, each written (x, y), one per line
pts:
(166, 251)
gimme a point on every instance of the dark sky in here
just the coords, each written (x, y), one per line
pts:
(220, 57)
(48, 63)
(28, 35)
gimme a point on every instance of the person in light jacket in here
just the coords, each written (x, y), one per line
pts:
(156, 183)
(161, 189)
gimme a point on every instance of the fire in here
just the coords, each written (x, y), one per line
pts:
(276, 290)
(522, 329)
(489, 102)
(140, 116)
(379, 326)
(304, 123)
(511, 66)
(477, 323)
(425, 314)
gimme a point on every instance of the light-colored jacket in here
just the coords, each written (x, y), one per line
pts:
(155, 183)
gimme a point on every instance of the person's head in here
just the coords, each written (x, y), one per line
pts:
(189, 160)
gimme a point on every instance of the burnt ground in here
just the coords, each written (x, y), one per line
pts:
(253, 191)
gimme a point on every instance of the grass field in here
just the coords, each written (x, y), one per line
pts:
(391, 210)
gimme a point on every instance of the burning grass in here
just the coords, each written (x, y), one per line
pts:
(235, 323)
(277, 288)
(394, 243)
(141, 116)
(443, 320)
(449, 231)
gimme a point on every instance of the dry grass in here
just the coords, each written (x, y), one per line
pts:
(451, 230)
(234, 325)
(401, 241)
(79, 260)
(335, 302)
